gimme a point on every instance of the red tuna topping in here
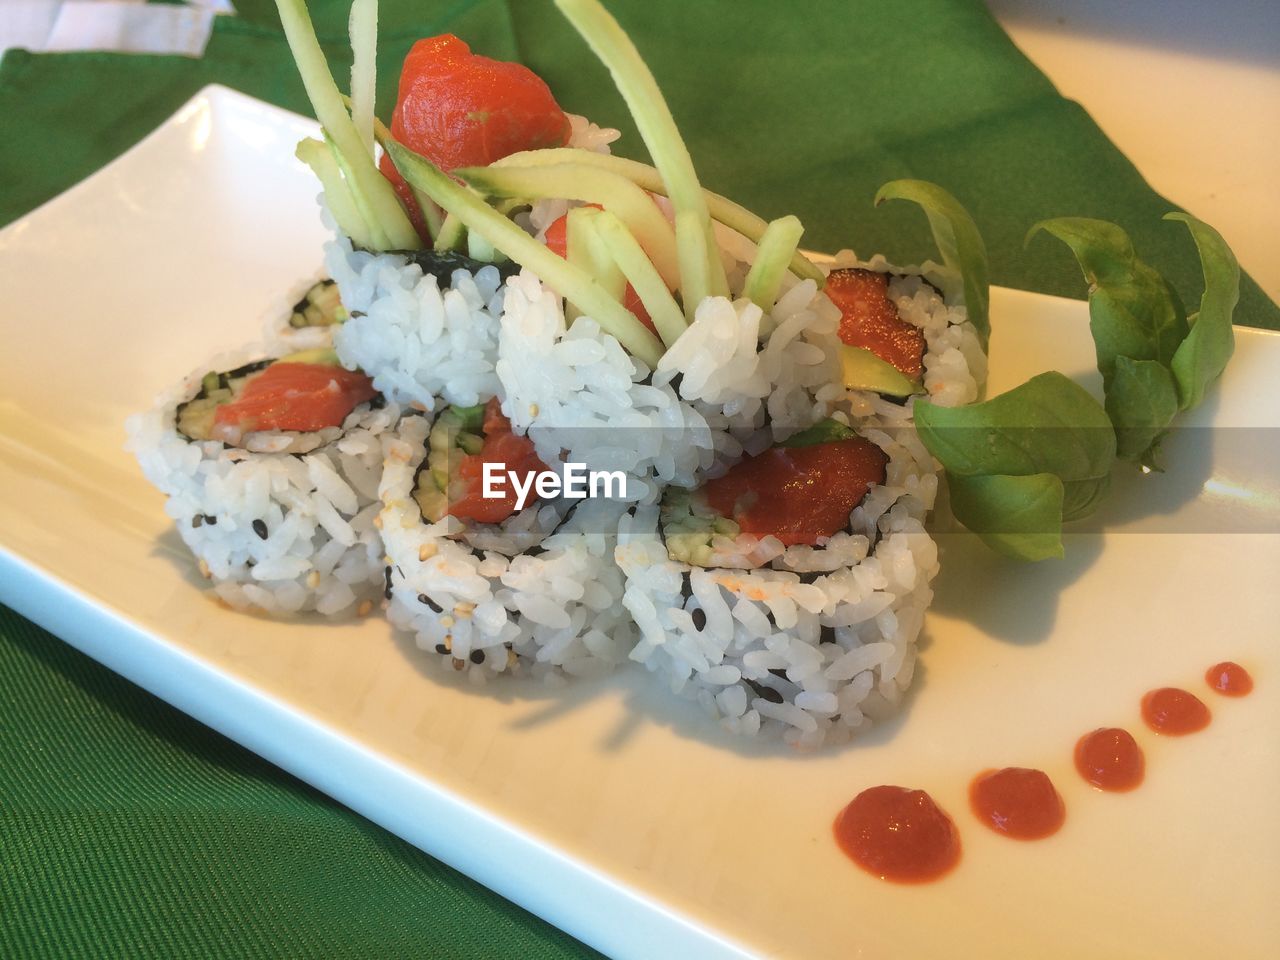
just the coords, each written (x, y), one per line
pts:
(870, 320)
(798, 494)
(293, 396)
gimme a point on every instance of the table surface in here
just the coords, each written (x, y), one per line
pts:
(1189, 91)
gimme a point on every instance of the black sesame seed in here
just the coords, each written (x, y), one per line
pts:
(386, 582)
(260, 528)
(699, 618)
(210, 519)
(441, 648)
(197, 521)
(431, 604)
(477, 656)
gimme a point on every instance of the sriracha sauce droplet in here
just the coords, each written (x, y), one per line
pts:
(1174, 712)
(1017, 802)
(898, 834)
(1229, 679)
(1110, 759)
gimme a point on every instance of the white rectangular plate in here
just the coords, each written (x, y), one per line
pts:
(614, 811)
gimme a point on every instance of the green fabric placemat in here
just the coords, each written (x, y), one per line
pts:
(127, 829)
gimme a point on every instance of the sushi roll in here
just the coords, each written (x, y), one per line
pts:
(271, 467)
(424, 323)
(497, 585)
(786, 596)
(905, 332)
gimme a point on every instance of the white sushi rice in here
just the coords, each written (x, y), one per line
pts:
(416, 340)
(716, 392)
(539, 595)
(314, 495)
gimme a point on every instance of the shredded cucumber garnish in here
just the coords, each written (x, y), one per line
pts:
(591, 185)
(369, 188)
(723, 210)
(316, 155)
(585, 249)
(642, 275)
(362, 25)
(691, 241)
(452, 233)
(609, 42)
(377, 235)
(574, 284)
(433, 215)
(780, 241)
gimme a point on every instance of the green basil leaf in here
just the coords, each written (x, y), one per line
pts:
(1142, 401)
(1020, 517)
(959, 243)
(1133, 312)
(1050, 424)
(1204, 353)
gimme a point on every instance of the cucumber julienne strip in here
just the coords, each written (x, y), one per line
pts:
(591, 185)
(722, 209)
(316, 155)
(657, 127)
(366, 182)
(585, 249)
(642, 275)
(777, 246)
(691, 241)
(573, 284)
(430, 212)
(377, 235)
(363, 28)
(452, 233)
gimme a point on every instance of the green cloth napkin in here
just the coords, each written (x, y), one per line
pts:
(127, 829)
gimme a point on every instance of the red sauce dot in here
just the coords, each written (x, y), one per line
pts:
(1110, 759)
(898, 834)
(1174, 712)
(1229, 679)
(1017, 802)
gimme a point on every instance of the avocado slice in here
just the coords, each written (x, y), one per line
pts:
(863, 370)
(324, 356)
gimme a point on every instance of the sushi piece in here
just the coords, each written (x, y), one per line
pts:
(904, 332)
(424, 323)
(497, 585)
(271, 468)
(786, 596)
